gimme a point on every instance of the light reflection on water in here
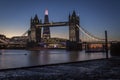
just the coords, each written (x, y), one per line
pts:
(22, 58)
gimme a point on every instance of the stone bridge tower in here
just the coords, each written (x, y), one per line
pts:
(34, 34)
(74, 40)
(73, 29)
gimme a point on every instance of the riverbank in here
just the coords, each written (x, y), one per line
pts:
(101, 69)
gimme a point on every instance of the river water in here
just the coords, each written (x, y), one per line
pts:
(24, 58)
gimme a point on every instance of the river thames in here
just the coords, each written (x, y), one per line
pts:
(25, 58)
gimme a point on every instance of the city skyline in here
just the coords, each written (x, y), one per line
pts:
(96, 16)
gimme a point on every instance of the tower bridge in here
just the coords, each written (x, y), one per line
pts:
(35, 35)
(78, 36)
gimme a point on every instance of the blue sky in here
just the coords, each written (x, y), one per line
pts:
(96, 16)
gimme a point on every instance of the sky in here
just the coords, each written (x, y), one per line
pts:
(96, 16)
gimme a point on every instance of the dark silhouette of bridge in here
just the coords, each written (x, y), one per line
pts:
(77, 34)
(75, 31)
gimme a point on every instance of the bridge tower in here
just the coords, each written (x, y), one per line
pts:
(34, 34)
(74, 40)
(73, 29)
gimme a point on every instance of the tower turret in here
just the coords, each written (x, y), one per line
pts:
(74, 14)
(36, 20)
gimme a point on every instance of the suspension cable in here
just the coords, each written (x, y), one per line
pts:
(88, 34)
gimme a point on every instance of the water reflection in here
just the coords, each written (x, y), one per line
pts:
(20, 58)
(33, 57)
(73, 57)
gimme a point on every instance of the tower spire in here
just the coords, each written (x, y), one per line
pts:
(46, 12)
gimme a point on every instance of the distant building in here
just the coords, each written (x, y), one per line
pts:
(46, 30)
(3, 39)
(2, 36)
(19, 39)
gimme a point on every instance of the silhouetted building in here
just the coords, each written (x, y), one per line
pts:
(46, 30)
(2, 36)
(19, 39)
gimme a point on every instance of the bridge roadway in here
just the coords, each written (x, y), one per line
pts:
(53, 24)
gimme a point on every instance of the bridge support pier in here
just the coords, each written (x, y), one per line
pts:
(73, 45)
